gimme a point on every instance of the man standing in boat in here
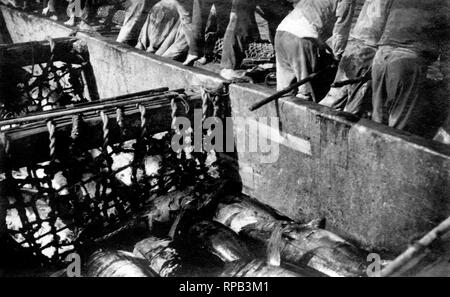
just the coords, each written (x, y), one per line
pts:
(242, 29)
(195, 18)
(135, 16)
(413, 38)
(357, 60)
(300, 42)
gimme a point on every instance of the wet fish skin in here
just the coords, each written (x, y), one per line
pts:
(111, 263)
(318, 248)
(168, 259)
(162, 258)
(302, 244)
(218, 240)
(165, 209)
(256, 268)
(237, 212)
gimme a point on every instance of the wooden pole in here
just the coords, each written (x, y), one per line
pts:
(416, 250)
(29, 144)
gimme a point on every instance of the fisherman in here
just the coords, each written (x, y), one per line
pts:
(243, 29)
(136, 13)
(300, 43)
(240, 31)
(163, 33)
(273, 12)
(357, 60)
(412, 40)
(195, 17)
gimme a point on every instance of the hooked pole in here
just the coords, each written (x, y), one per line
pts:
(285, 91)
(292, 87)
(415, 250)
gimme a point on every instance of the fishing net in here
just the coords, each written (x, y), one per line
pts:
(257, 51)
(41, 86)
(105, 11)
(82, 195)
(119, 17)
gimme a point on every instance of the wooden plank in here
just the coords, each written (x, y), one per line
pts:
(68, 49)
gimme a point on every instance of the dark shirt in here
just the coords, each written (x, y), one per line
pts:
(419, 25)
(371, 21)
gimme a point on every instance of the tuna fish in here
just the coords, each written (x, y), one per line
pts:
(167, 259)
(237, 212)
(111, 263)
(318, 248)
(302, 244)
(210, 249)
(166, 208)
(269, 268)
(218, 240)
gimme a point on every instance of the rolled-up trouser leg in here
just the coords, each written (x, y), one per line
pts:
(356, 60)
(238, 34)
(397, 78)
(135, 17)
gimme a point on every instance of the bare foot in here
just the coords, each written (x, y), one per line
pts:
(231, 74)
(202, 60)
(84, 26)
(70, 22)
(306, 97)
(190, 60)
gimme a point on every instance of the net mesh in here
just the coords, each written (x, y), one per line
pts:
(255, 51)
(41, 87)
(90, 194)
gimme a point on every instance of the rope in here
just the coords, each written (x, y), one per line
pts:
(52, 138)
(143, 112)
(106, 132)
(120, 117)
(76, 125)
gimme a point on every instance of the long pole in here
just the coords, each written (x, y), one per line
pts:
(285, 91)
(414, 250)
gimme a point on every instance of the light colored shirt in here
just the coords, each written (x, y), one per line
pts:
(321, 19)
